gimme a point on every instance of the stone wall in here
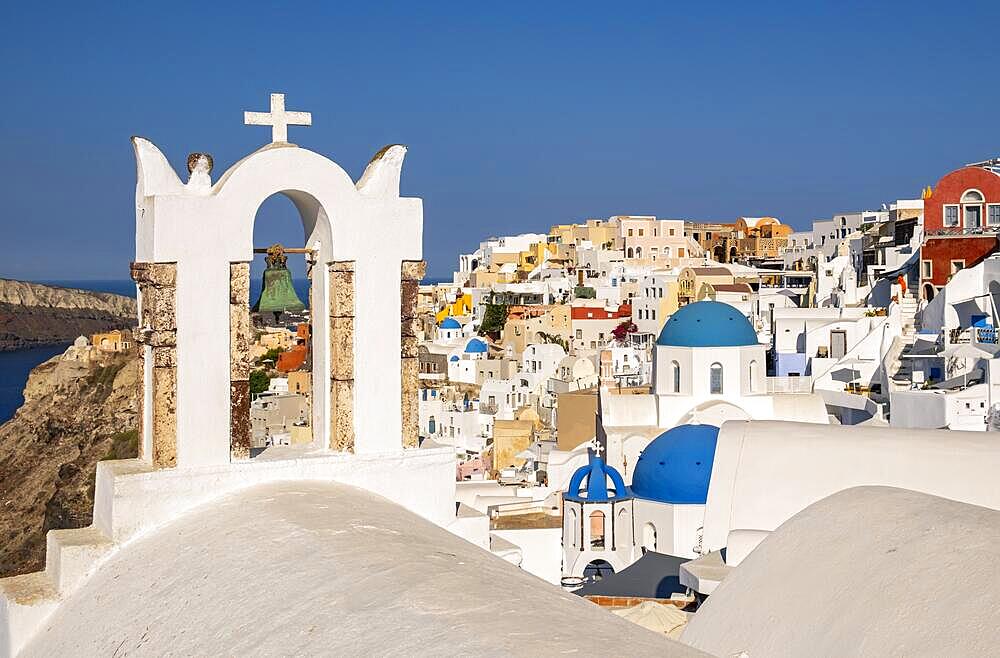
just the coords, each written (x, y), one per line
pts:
(411, 272)
(239, 360)
(158, 330)
(342, 356)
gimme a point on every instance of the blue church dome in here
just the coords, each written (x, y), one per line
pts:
(475, 346)
(677, 466)
(454, 357)
(450, 323)
(707, 324)
(590, 483)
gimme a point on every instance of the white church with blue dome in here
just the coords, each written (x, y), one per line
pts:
(607, 524)
(708, 367)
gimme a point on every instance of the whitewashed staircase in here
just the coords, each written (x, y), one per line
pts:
(901, 367)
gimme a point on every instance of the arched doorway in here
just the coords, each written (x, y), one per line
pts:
(597, 570)
(929, 291)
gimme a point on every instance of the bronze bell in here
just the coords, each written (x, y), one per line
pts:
(277, 294)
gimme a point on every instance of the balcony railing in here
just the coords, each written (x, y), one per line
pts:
(789, 385)
(959, 231)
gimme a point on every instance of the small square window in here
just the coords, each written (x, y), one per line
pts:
(957, 265)
(926, 269)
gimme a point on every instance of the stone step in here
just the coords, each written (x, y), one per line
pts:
(70, 555)
(25, 603)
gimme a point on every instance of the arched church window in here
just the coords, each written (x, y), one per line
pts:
(574, 527)
(753, 376)
(715, 379)
(675, 369)
(629, 253)
(597, 531)
(638, 252)
(648, 537)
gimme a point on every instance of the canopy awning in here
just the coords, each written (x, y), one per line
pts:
(653, 576)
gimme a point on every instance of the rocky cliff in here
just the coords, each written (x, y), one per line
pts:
(75, 413)
(33, 314)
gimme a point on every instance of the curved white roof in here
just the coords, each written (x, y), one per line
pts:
(315, 568)
(870, 571)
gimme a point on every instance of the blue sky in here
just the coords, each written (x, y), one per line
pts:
(517, 116)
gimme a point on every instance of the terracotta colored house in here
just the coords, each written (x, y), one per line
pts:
(961, 223)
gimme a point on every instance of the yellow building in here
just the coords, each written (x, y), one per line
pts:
(760, 237)
(112, 341)
(691, 280)
(460, 308)
(530, 324)
(300, 381)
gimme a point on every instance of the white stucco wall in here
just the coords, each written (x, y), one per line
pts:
(766, 471)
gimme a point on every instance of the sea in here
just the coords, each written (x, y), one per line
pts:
(15, 366)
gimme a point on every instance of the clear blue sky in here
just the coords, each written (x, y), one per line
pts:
(517, 116)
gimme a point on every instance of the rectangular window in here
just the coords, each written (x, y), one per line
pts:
(579, 334)
(957, 265)
(951, 216)
(671, 232)
(927, 269)
(630, 233)
(680, 252)
(640, 233)
(993, 214)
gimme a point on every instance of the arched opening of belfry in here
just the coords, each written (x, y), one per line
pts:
(279, 368)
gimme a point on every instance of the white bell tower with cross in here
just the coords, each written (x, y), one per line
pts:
(278, 118)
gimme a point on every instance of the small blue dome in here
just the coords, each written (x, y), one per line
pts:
(454, 357)
(450, 323)
(677, 466)
(475, 346)
(707, 324)
(596, 489)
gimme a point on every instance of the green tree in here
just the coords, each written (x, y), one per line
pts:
(494, 318)
(259, 381)
(270, 355)
(584, 292)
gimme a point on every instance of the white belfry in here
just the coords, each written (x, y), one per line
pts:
(278, 118)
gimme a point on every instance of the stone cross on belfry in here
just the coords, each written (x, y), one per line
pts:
(278, 118)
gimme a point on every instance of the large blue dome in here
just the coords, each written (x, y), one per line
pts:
(450, 323)
(475, 346)
(677, 466)
(707, 324)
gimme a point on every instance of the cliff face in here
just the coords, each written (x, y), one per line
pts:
(75, 414)
(34, 314)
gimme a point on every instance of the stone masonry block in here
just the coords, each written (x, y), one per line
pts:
(409, 347)
(239, 414)
(342, 416)
(413, 270)
(408, 291)
(342, 266)
(341, 294)
(409, 327)
(164, 417)
(162, 275)
(342, 348)
(409, 402)
(164, 357)
(160, 303)
(239, 283)
(239, 342)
